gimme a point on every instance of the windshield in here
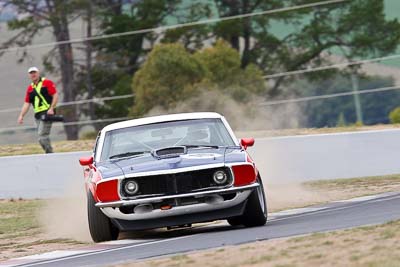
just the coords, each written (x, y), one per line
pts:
(134, 141)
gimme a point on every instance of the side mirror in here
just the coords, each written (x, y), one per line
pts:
(86, 161)
(246, 142)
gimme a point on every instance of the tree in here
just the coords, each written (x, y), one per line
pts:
(168, 75)
(394, 115)
(171, 74)
(105, 83)
(224, 70)
(117, 59)
(355, 29)
(193, 37)
(108, 56)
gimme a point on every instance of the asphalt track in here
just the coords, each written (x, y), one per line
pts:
(336, 215)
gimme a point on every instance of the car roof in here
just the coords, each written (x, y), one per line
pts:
(162, 118)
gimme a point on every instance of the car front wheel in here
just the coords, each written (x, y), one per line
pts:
(100, 226)
(255, 213)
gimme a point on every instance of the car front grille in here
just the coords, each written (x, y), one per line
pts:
(178, 183)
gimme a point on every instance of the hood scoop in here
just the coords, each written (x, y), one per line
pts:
(169, 152)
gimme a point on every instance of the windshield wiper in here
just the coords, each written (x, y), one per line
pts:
(128, 154)
(205, 146)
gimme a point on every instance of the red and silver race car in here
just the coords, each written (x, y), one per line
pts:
(171, 170)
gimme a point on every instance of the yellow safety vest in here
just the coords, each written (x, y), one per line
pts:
(43, 105)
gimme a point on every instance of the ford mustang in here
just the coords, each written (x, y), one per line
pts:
(171, 171)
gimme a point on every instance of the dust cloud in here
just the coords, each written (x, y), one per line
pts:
(251, 116)
(241, 116)
(66, 217)
(289, 195)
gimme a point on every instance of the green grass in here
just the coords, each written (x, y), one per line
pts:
(179, 257)
(361, 181)
(21, 232)
(17, 217)
(60, 146)
(46, 241)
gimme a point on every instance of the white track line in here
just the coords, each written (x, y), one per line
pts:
(314, 209)
(126, 241)
(292, 213)
(106, 251)
(295, 211)
(366, 198)
(328, 209)
(358, 199)
(55, 254)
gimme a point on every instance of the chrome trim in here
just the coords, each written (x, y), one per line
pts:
(160, 199)
(212, 188)
(176, 211)
(140, 196)
(157, 195)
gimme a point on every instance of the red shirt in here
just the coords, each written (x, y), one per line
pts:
(48, 89)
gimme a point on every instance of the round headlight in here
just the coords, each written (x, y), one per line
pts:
(131, 187)
(220, 177)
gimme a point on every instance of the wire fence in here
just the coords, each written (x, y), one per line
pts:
(261, 104)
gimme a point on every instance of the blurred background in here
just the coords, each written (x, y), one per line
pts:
(264, 64)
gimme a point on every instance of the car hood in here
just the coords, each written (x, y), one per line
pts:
(193, 158)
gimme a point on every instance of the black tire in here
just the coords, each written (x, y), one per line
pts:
(100, 226)
(255, 213)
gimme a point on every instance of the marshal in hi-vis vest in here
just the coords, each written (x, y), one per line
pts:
(39, 102)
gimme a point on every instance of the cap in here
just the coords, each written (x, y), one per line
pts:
(33, 69)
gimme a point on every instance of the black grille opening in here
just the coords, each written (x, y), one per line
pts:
(127, 209)
(229, 196)
(179, 183)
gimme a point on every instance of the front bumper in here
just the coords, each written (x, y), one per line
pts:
(111, 209)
